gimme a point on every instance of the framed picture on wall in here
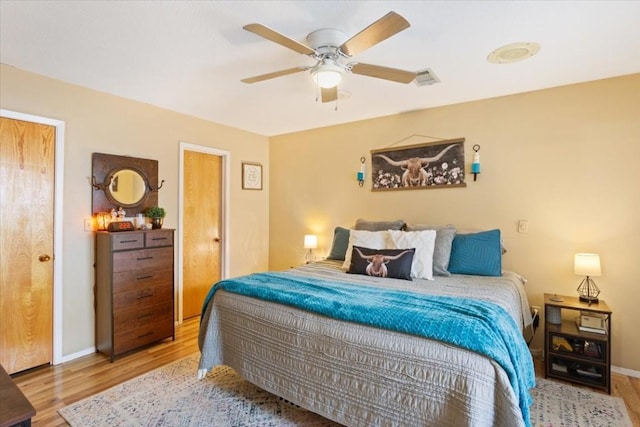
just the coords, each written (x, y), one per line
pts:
(251, 176)
(422, 166)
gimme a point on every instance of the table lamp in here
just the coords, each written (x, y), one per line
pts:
(310, 243)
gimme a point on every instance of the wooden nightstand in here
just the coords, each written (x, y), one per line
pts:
(571, 354)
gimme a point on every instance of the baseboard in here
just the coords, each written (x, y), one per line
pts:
(625, 371)
(78, 354)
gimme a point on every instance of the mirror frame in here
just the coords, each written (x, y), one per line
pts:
(105, 166)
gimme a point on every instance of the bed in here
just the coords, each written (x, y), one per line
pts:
(358, 373)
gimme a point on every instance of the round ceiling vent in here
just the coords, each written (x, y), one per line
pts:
(513, 52)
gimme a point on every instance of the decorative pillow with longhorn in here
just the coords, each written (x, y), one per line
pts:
(394, 263)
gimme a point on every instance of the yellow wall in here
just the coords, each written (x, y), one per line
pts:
(97, 122)
(567, 159)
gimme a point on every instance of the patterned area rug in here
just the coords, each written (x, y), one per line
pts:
(557, 404)
(173, 396)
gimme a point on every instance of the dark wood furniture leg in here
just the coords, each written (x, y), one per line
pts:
(15, 409)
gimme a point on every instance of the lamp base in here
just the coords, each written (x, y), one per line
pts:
(588, 291)
(309, 257)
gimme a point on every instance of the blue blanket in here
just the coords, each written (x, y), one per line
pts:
(480, 326)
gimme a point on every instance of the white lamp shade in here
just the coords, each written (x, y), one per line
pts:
(310, 241)
(587, 265)
(327, 75)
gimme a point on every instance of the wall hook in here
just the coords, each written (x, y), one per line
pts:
(98, 186)
(159, 187)
(95, 184)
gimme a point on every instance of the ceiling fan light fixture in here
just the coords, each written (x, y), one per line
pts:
(327, 75)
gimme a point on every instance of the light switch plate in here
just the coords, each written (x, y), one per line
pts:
(523, 226)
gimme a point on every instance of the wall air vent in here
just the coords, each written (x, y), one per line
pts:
(426, 77)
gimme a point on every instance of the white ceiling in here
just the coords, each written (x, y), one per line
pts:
(189, 56)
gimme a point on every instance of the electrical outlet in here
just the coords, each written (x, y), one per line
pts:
(88, 224)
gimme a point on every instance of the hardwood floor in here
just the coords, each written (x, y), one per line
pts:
(53, 387)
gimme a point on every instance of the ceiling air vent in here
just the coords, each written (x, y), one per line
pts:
(426, 77)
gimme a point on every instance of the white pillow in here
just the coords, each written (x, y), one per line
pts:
(424, 242)
(365, 239)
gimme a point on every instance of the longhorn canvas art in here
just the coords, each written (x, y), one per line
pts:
(421, 166)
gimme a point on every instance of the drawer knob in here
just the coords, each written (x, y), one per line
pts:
(44, 258)
(145, 294)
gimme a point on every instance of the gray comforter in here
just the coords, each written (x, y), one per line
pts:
(359, 375)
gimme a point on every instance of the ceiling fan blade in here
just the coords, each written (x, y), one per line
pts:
(274, 36)
(385, 73)
(382, 29)
(329, 94)
(273, 75)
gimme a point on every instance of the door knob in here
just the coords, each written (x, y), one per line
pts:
(44, 258)
(217, 240)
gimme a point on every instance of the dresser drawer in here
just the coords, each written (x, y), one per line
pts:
(137, 337)
(132, 319)
(139, 279)
(142, 297)
(127, 240)
(159, 238)
(142, 259)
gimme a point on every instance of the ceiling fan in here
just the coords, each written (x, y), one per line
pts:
(329, 47)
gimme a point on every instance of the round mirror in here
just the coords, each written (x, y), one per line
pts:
(127, 187)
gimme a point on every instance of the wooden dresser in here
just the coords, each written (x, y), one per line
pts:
(133, 290)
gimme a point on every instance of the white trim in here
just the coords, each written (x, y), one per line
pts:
(625, 371)
(78, 354)
(226, 174)
(57, 223)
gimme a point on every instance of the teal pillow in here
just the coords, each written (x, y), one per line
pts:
(478, 254)
(340, 244)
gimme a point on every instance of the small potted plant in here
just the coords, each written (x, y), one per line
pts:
(156, 216)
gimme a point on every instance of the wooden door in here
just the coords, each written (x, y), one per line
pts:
(201, 228)
(26, 244)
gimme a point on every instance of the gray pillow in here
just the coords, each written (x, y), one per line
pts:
(442, 249)
(363, 224)
(340, 244)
